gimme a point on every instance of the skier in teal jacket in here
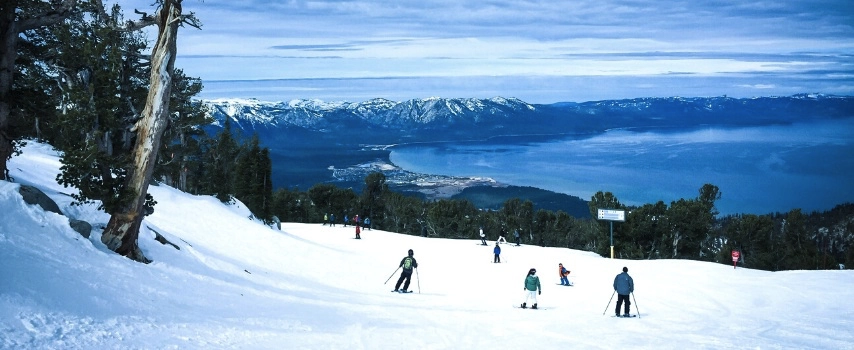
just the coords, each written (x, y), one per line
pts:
(532, 288)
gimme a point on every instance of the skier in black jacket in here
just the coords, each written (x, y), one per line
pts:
(408, 263)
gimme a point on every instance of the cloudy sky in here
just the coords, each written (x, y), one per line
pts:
(538, 50)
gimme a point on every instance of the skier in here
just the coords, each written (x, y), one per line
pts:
(408, 263)
(482, 237)
(564, 273)
(516, 235)
(532, 288)
(325, 219)
(368, 223)
(624, 285)
(357, 232)
(345, 220)
(501, 237)
(332, 220)
(497, 252)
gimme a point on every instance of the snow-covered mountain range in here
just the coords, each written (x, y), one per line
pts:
(377, 114)
(488, 117)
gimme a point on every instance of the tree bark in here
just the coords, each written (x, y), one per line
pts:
(122, 231)
(10, 28)
(8, 38)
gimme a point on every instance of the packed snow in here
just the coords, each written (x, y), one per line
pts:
(236, 283)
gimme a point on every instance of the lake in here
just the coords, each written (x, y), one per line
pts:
(758, 170)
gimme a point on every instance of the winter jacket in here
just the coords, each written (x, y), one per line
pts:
(410, 265)
(623, 284)
(562, 271)
(496, 250)
(532, 283)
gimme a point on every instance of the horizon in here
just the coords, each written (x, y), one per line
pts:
(251, 95)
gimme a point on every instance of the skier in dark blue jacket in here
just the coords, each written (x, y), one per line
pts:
(624, 285)
(497, 251)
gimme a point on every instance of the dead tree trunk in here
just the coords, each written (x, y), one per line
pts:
(10, 28)
(122, 231)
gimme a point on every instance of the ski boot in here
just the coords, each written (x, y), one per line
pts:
(534, 307)
(524, 306)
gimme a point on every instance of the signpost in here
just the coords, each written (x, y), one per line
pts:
(612, 215)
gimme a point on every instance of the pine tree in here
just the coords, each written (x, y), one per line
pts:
(16, 18)
(181, 149)
(252, 183)
(221, 164)
(372, 196)
(102, 84)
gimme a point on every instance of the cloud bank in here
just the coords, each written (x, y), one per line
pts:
(732, 47)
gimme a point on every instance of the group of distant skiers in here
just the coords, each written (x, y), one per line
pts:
(358, 223)
(624, 285)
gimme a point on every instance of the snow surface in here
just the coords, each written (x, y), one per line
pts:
(236, 283)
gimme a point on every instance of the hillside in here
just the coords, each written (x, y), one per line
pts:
(235, 283)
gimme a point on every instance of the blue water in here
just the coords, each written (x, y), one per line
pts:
(758, 170)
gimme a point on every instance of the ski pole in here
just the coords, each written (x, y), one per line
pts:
(609, 303)
(418, 280)
(636, 304)
(392, 275)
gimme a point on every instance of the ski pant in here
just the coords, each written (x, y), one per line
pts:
(620, 299)
(497, 259)
(564, 280)
(483, 240)
(531, 295)
(407, 275)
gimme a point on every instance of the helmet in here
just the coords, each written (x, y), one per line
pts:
(411, 252)
(532, 271)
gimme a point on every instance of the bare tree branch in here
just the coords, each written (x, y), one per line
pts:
(130, 25)
(47, 18)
